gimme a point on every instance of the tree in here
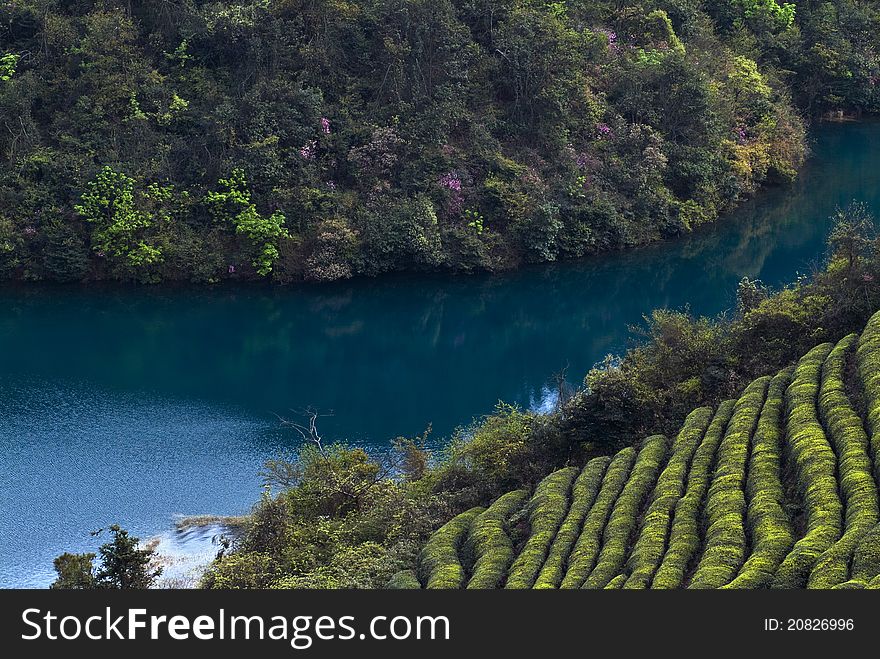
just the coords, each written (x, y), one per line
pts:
(8, 62)
(123, 566)
(233, 204)
(75, 572)
(120, 219)
(852, 234)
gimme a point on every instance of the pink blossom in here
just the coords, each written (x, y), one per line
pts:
(868, 278)
(29, 231)
(604, 130)
(450, 181)
(325, 125)
(230, 269)
(308, 150)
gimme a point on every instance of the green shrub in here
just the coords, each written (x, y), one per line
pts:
(771, 529)
(583, 495)
(439, 565)
(868, 360)
(866, 559)
(624, 518)
(404, 580)
(725, 543)
(586, 549)
(616, 583)
(866, 562)
(489, 543)
(649, 548)
(547, 510)
(850, 443)
(816, 471)
(684, 539)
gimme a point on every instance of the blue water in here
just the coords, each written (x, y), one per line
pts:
(135, 405)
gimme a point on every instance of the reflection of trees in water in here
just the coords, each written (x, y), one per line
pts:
(430, 348)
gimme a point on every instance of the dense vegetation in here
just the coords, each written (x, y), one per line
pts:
(666, 529)
(756, 411)
(194, 140)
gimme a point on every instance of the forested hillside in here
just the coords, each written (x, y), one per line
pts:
(188, 140)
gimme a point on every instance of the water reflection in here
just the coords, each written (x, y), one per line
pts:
(132, 404)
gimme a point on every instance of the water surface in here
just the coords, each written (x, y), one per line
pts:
(134, 405)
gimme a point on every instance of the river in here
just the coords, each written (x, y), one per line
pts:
(138, 405)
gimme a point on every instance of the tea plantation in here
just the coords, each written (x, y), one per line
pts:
(777, 489)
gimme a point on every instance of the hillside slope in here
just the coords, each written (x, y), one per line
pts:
(778, 488)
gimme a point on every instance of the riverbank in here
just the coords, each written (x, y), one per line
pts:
(166, 406)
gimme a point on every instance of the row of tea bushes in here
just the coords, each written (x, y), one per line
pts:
(768, 520)
(725, 543)
(648, 550)
(855, 470)
(583, 496)
(489, 541)
(684, 538)
(624, 517)
(816, 472)
(547, 510)
(439, 565)
(586, 549)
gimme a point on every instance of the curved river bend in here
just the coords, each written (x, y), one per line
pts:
(139, 404)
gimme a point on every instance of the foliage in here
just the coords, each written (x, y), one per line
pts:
(773, 488)
(547, 510)
(233, 206)
(122, 222)
(649, 548)
(583, 495)
(815, 463)
(725, 510)
(329, 140)
(123, 566)
(768, 519)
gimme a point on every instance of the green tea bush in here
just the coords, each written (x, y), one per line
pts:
(855, 473)
(489, 543)
(586, 549)
(547, 510)
(816, 471)
(866, 562)
(624, 517)
(616, 583)
(725, 545)
(771, 530)
(439, 565)
(649, 548)
(404, 580)
(868, 360)
(583, 495)
(684, 539)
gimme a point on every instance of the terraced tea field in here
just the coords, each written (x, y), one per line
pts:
(777, 489)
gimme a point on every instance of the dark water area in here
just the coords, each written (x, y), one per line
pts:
(137, 405)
